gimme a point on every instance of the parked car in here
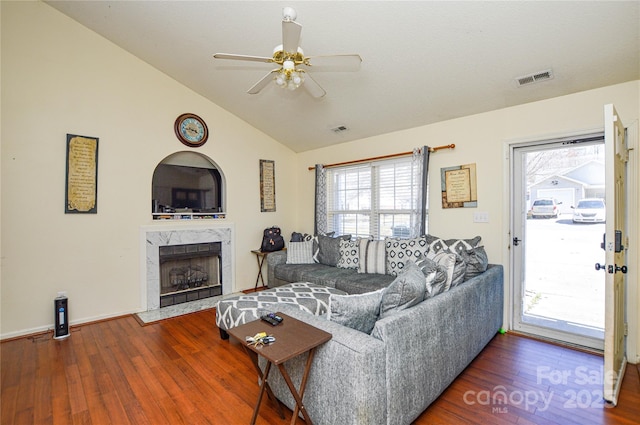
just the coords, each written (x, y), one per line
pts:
(545, 208)
(589, 210)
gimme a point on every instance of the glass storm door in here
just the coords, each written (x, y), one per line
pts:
(557, 293)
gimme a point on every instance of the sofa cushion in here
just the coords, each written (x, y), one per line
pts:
(298, 272)
(349, 255)
(401, 250)
(407, 290)
(326, 250)
(300, 253)
(373, 256)
(359, 312)
(359, 283)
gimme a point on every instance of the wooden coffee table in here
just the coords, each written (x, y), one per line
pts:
(293, 338)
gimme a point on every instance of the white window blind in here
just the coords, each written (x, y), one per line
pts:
(373, 199)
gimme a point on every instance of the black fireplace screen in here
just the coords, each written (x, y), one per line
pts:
(190, 272)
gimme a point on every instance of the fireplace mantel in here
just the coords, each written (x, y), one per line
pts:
(164, 234)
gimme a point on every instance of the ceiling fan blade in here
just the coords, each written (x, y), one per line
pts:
(242, 57)
(312, 86)
(291, 36)
(335, 62)
(264, 81)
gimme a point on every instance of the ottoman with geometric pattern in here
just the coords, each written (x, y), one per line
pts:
(309, 297)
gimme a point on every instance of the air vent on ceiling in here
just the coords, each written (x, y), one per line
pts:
(535, 77)
(339, 129)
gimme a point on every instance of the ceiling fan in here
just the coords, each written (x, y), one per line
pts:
(291, 58)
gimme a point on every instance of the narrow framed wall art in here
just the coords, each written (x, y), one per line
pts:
(267, 185)
(81, 191)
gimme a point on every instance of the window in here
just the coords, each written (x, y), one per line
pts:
(379, 199)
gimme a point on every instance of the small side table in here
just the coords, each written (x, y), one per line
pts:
(260, 257)
(293, 338)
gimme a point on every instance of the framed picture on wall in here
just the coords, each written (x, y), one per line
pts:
(81, 194)
(267, 186)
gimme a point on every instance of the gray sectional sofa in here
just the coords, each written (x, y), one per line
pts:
(393, 374)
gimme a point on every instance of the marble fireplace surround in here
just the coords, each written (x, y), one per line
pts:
(173, 233)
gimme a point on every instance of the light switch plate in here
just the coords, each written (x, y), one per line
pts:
(481, 217)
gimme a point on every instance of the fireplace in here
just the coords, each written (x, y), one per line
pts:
(189, 272)
(185, 262)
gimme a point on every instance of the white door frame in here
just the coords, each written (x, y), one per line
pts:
(633, 201)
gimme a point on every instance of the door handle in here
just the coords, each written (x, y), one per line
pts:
(516, 241)
(622, 269)
(612, 269)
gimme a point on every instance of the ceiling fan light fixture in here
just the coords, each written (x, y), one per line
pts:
(289, 55)
(289, 14)
(289, 79)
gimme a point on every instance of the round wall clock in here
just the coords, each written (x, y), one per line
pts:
(191, 130)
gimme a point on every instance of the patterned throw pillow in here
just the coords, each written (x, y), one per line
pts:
(300, 237)
(349, 255)
(460, 245)
(326, 249)
(373, 256)
(476, 260)
(435, 276)
(448, 261)
(461, 248)
(405, 291)
(401, 250)
(300, 253)
(359, 312)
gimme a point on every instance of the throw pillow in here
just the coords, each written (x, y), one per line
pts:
(459, 245)
(435, 276)
(405, 291)
(459, 270)
(349, 256)
(300, 253)
(359, 312)
(326, 250)
(300, 237)
(373, 256)
(448, 261)
(401, 250)
(476, 260)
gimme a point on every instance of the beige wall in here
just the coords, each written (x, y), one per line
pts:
(58, 78)
(482, 139)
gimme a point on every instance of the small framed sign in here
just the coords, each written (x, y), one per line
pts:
(81, 194)
(459, 187)
(267, 186)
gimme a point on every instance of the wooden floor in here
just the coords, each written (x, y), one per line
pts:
(179, 371)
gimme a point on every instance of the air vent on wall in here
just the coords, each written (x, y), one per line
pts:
(534, 77)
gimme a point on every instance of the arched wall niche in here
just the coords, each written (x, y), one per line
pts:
(188, 185)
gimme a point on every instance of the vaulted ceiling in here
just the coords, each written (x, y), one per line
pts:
(422, 61)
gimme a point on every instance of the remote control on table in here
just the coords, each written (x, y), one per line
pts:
(272, 318)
